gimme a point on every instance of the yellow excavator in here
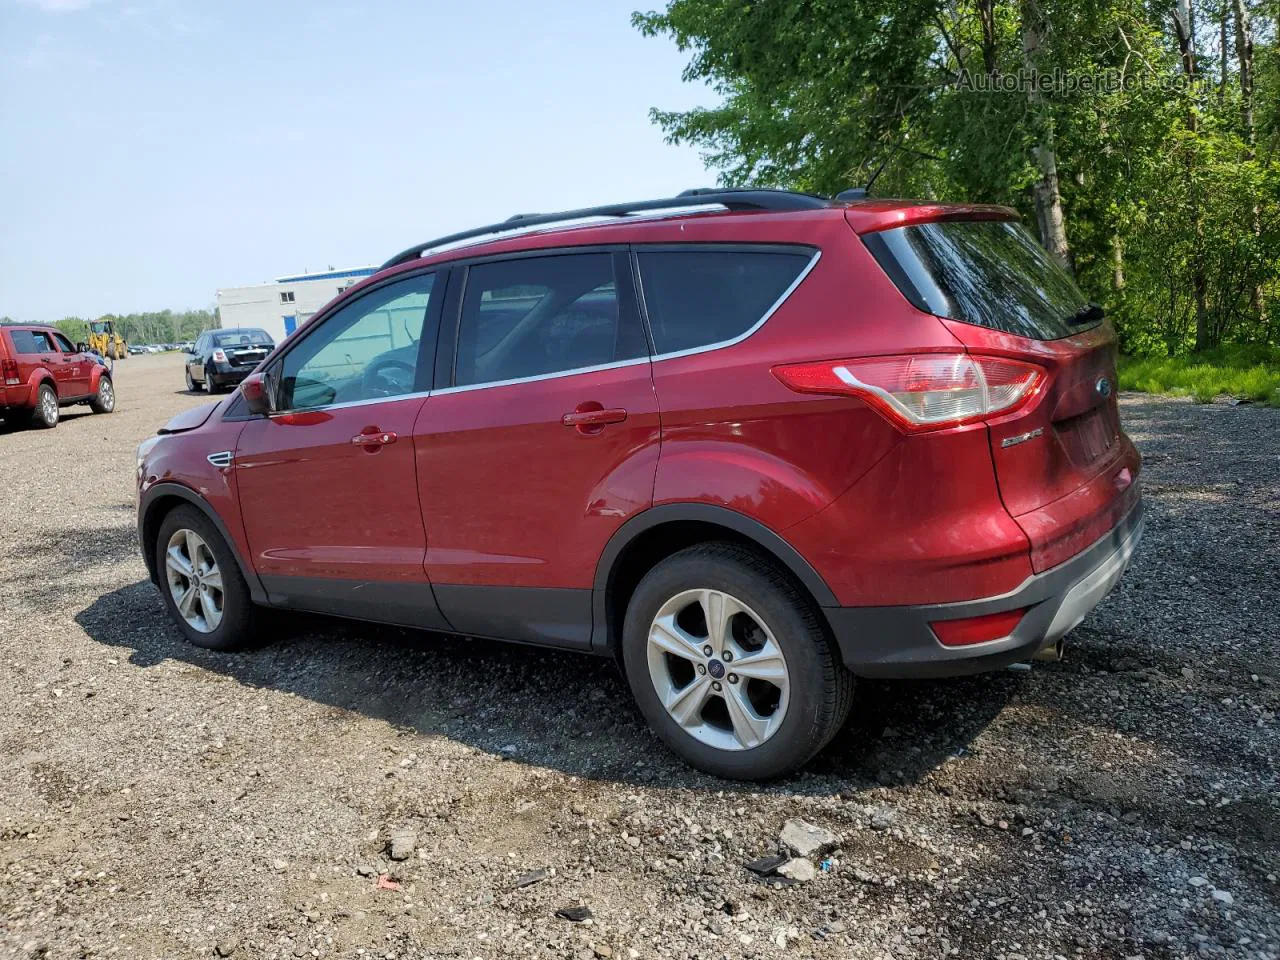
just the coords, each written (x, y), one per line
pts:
(104, 339)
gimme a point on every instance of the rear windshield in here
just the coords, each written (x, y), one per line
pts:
(234, 338)
(987, 272)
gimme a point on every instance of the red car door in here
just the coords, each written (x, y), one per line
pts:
(327, 485)
(78, 367)
(543, 442)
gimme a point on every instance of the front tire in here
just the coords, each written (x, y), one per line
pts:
(203, 588)
(770, 694)
(104, 401)
(46, 412)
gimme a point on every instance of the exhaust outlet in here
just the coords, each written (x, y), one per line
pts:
(1051, 653)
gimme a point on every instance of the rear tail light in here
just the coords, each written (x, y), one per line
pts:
(219, 356)
(926, 391)
(971, 630)
(9, 370)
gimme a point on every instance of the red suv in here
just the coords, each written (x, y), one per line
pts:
(40, 371)
(751, 443)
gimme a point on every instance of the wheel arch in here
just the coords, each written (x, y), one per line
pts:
(650, 537)
(158, 502)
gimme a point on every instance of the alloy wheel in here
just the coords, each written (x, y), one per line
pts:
(195, 582)
(49, 407)
(718, 670)
(106, 395)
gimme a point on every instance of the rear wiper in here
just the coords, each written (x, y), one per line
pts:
(1089, 313)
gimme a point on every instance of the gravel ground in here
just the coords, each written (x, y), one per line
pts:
(161, 801)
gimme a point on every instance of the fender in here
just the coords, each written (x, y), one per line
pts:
(38, 376)
(167, 488)
(739, 523)
(99, 371)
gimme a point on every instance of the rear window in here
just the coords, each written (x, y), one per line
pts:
(987, 272)
(233, 338)
(696, 298)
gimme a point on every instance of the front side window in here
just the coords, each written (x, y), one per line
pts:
(367, 350)
(63, 343)
(543, 315)
(700, 297)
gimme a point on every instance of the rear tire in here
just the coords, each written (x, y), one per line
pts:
(104, 401)
(201, 583)
(192, 386)
(45, 413)
(771, 628)
(209, 383)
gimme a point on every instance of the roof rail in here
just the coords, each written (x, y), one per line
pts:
(737, 200)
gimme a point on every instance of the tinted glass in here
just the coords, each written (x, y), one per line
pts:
(368, 350)
(232, 338)
(31, 341)
(991, 273)
(63, 343)
(534, 316)
(695, 298)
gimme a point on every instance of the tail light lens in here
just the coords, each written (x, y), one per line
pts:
(927, 391)
(9, 370)
(219, 356)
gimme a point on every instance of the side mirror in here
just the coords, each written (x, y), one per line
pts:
(256, 390)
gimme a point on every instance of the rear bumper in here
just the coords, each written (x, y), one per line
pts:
(897, 642)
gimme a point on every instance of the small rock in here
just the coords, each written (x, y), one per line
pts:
(1198, 881)
(802, 871)
(836, 926)
(603, 951)
(767, 865)
(225, 948)
(574, 914)
(1223, 897)
(530, 878)
(402, 843)
(808, 839)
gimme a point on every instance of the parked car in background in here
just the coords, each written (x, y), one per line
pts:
(220, 359)
(41, 371)
(752, 451)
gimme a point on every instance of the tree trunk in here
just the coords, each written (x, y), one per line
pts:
(1244, 54)
(1117, 262)
(987, 17)
(1185, 26)
(1048, 195)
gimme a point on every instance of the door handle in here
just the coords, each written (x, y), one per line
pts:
(375, 439)
(594, 418)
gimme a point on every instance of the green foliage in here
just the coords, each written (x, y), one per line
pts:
(1172, 213)
(1247, 373)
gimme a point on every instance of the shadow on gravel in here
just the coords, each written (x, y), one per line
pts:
(569, 712)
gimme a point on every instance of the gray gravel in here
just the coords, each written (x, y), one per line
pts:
(161, 801)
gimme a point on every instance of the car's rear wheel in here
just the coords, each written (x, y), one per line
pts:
(104, 401)
(192, 386)
(45, 413)
(731, 664)
(209, 383)
(201, 582)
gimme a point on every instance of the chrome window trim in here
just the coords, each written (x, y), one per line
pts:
(578, 371)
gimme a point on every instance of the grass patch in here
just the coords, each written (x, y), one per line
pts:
(1251, 373)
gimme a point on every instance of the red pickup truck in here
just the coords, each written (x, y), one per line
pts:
(42, 371)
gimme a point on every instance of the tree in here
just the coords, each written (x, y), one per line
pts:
(1137, 148)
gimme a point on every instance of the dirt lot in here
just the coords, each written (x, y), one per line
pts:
(161, 801)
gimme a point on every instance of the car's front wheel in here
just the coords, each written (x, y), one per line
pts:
(202, 585)
(104, 401)
(731, 664)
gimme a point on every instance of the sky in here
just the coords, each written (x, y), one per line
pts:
(153, 151)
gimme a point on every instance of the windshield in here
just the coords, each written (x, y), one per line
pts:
(987, 272)
(235, 338)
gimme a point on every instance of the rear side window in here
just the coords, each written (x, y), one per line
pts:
(991, 273)
(31, 341)
(699, 297)
(542, 315)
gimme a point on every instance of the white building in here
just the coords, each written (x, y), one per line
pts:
(281, 307)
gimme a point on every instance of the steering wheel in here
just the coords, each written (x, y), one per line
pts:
(388, 378)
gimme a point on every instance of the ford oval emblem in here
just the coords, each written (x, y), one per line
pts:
(1103, 386)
